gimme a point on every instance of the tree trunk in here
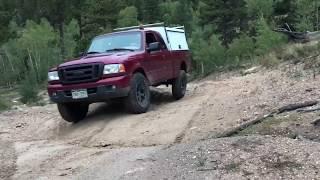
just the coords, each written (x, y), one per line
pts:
(61, 39)
(317, 11)
(80, 26)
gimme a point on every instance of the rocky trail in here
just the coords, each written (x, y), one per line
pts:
(175, 139)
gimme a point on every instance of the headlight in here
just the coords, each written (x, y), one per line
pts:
(53, 76)
(113, 69)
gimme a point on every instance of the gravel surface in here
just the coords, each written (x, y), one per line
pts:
(253, 157)
(8, 158)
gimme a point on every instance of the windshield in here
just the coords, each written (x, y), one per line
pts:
(115, 42)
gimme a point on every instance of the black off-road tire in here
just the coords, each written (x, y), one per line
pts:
(73, 112)
(138, 101)
(179, 85)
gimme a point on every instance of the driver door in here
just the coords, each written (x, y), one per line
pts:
(155, 60)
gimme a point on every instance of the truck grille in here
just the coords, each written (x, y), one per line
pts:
(80, 73)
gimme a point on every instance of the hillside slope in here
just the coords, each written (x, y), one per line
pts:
(164, 143)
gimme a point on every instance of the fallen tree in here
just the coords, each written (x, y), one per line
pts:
(298, 36)
(292, 107)
(286, 108)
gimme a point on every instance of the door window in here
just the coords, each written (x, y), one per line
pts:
(150, 38)
(162, 43)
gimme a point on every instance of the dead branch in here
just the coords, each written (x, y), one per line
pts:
(308, 110)
(292, 107)
(209, 169)
(258, 120)
(311, 57)
(235, 130)
(316, 122)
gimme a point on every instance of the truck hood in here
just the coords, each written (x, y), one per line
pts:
(105, 58)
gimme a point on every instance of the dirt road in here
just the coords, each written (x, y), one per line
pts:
(110, 144)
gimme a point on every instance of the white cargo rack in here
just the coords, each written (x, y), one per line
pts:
(174, 37)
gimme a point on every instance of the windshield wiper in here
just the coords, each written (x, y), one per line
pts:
(93, 52)
(119, 49)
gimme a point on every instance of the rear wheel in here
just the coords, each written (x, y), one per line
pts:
(138, 100)
(73, 112)
(179, 85)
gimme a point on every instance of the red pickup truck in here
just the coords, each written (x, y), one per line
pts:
(122, 66)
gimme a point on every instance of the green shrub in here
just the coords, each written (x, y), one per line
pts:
(267, 39)
(3, 105)
(71, 32)
(256, 8)
(29, 90)
(241, 50)
(208, 55)
(36, 49)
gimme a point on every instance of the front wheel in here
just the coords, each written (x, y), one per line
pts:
(179, 85)
(73, 112)
(138, 100)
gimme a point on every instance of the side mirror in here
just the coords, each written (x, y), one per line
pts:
(154, 47)
(81, 54)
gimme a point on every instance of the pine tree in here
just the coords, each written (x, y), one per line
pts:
(6, 13)
(183, 14)
(128, 17)
(98, 16)
(306, 14)
(285, 11)
(151, 11)
(258, 8)
(227, 17)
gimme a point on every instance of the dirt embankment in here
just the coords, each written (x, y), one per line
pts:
(110, 144)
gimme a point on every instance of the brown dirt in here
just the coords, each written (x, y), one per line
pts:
(41, 145)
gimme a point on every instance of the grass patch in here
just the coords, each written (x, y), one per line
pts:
(29, 91)
(290, 52)
(246, 144)
(270, 60)
(7, 97)
(3, 105)
(280, 162)
(232, 167)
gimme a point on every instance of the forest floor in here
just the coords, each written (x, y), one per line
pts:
(175, 139)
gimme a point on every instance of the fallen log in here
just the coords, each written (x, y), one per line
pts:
(308, 110)
(316, 122)
(237, 129)
(292, 107)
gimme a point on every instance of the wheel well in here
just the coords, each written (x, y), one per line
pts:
(140, 70)
(183, 66)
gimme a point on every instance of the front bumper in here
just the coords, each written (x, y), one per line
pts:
(99, 91)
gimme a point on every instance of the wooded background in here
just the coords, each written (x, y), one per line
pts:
(38, 34)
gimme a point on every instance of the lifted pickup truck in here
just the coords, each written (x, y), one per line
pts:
(122, 66)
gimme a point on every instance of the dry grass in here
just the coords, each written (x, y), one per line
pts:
(270, 60)
(290, 52)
